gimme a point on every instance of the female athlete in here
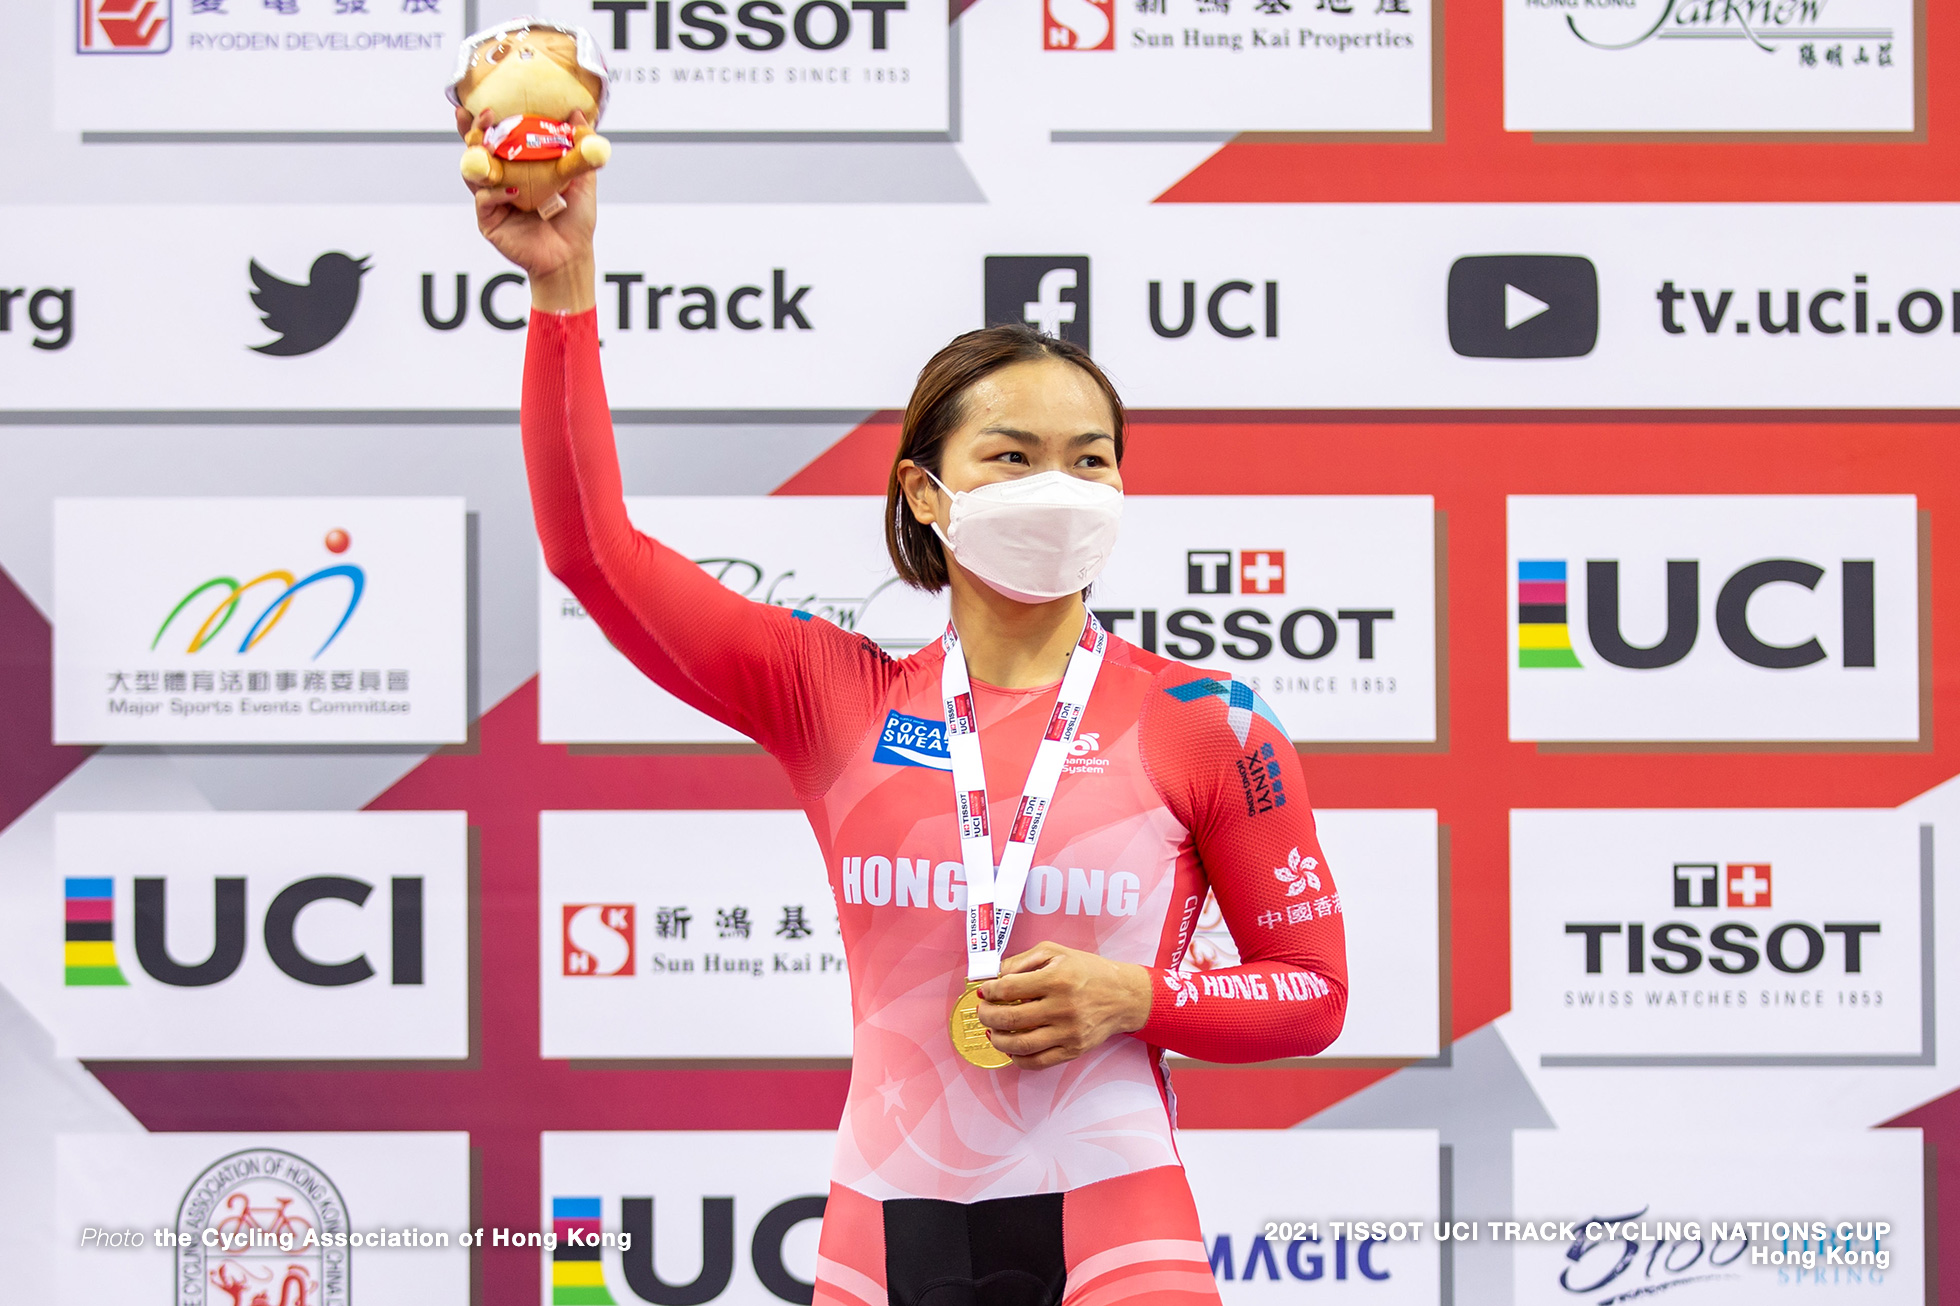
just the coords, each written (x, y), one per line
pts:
(1019, 1151)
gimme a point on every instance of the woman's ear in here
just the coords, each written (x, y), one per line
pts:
(920, 493)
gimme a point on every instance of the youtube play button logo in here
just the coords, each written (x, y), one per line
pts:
(1524, 306)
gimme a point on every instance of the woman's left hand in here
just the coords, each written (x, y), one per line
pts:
(1064, 1002)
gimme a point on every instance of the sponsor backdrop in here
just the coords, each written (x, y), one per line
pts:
(1549, 408)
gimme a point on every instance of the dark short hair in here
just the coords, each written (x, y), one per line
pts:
(937, 408)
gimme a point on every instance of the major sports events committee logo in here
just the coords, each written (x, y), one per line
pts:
(122, 26)
(227, 594)
(1049, 292)
(1523, 306)
(1078, 24)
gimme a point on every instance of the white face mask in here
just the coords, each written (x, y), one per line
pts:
(1034, 538)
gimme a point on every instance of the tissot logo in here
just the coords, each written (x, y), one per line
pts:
(759, 25)
(1049, 292)
(1523, 306)
(1257, 571)
(1306, 634)
(1741, 884)
(1728, 936)
(1737, 947)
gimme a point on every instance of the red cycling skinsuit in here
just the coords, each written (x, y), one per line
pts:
(1191, 785)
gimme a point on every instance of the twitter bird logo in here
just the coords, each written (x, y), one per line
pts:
(307, 316)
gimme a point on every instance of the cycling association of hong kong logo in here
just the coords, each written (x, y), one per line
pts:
(262, 1228)
(281, 588)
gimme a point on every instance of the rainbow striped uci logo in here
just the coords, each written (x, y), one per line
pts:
(1544, 639)
(88, 949)
(578, 1277)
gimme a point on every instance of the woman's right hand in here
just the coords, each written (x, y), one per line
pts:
(555, 255)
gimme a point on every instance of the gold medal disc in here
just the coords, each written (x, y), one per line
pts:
(970, 1036)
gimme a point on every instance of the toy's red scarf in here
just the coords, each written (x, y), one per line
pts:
(522, 138)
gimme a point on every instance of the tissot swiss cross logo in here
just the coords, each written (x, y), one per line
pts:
(1222, 571)
(1694, 884)
(1262, 572)
(1027, 822)
(1713, 884)
(973, 814)
(1746, 884)
(598, 938)
(959, 715)
(1078, 24)
(122, 26)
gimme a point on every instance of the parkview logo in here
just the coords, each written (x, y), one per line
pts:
(1629, 23)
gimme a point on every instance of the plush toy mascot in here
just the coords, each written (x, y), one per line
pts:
(521, 82)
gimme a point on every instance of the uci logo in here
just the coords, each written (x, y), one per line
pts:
(89, 934)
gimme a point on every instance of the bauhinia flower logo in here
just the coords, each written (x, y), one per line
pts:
(1182, 985)
(1298, 874)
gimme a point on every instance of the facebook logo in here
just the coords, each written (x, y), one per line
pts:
(1049, 292)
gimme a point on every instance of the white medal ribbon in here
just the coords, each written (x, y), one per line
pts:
(993, 897)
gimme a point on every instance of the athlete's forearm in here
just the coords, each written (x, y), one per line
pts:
(1256, 1012)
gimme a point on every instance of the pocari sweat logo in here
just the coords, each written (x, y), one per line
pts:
(913, 741)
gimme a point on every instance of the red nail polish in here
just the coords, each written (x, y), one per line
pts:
(510, 190)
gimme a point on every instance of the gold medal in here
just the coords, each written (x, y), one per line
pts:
(970, 1036)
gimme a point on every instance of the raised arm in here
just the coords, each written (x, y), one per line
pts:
(802, 688)
(1245, 802)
